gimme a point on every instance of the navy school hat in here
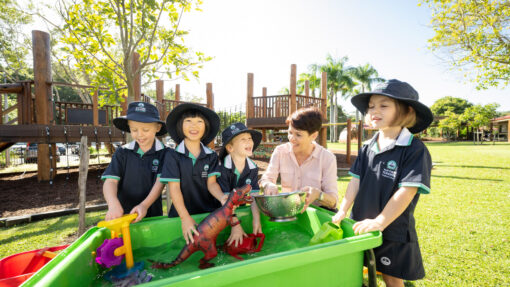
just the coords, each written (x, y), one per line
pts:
(173, 118)
(140, 112)
(230, 132)
(401, 91)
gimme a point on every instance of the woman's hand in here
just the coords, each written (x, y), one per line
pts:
(141, 210)
(236, 235)
(188, 228)
(311, 195)
(367, 225)
(270, 189)
(338, 217)
(114, 211)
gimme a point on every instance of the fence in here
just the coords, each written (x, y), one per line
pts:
(230, 115)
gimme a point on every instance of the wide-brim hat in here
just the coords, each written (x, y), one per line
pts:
(401, 91)
(234, 130)
(177, 112)
(140, 112)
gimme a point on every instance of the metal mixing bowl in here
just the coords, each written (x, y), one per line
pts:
(282, 207)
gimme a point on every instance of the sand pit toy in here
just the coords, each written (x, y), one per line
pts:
(113, 251)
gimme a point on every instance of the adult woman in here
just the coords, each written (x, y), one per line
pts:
(303, 164)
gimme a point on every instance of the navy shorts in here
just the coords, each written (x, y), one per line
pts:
(401, 260)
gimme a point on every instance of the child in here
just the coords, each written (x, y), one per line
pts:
(237, 170)
(191, 169)
(389, 174)
(130, 181)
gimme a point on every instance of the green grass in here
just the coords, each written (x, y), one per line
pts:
(462, 224)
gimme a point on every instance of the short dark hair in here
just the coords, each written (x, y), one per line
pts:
(306, 119)
(191, 114)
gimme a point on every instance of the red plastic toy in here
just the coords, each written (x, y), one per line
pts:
(249, 245)
(17, 268)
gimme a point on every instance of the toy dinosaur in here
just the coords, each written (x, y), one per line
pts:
(208, 230)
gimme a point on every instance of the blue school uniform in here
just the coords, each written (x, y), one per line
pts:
(192, 174)
(231, 178)
(406, 162)
(137, 172)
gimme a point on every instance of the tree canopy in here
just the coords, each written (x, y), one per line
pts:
(475, 36)
(449, 104)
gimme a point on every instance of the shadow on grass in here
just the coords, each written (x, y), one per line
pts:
(468, 178)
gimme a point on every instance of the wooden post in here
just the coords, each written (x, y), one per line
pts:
(124, 106)
(348, 141)
(264, 102)
(249, 97)
(177, 92)
(323, 141)
(210, 105)
(293, 82)
(264, 136)
(160, 92)
(2, 109)
(360, 134)
(43, 100)
(307, 92)
(82, 182)
(95, 113)
(137, 83)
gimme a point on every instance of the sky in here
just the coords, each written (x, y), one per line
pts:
(265, 37)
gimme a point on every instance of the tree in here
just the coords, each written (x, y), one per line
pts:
(450, 124)
(479, 116)
(365, 75)
(102, 37)
(14, 45)
(475, 36)
(339, 80)
(449, 104)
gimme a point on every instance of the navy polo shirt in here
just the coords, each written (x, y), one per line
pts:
(406, 162)
(137, 172)
(232, 178)
(192, 174)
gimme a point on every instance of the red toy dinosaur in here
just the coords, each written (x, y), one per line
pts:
(249, 245)
(209, 229)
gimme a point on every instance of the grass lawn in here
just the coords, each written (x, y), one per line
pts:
(462, 224)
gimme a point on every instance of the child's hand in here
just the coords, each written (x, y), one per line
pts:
(257, 228)
(270, 189)
(141, 210)
(338, 217)
(236, 235)
(367, 225)
(114, 211)
(224, 199)
(188, 228)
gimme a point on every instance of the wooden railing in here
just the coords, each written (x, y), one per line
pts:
(63, 111)
(279, 106)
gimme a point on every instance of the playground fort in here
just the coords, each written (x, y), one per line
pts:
(43, 120)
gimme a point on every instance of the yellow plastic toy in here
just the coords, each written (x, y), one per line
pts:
(117, 227)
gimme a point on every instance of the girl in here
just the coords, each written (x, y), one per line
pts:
(389, 174)
(191, 169)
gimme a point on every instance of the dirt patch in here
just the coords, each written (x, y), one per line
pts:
(21, 194)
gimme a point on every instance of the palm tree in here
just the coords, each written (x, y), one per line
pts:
(339, 80)
(365, 75)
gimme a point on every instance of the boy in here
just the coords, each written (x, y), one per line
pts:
(130, 181)
(237, 169)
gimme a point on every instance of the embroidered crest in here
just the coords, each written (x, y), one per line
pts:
(155, 162)
(385, 261)
(140, 108)
(248, 181)
(391, 165)
(206, 167)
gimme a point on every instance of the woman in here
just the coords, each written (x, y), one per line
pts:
(303, 164)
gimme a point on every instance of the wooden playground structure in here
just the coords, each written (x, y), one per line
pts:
(42, 120)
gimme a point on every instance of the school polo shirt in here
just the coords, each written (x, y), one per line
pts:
(137, 172)
(406, 162)
(232, 178)
(192, 174)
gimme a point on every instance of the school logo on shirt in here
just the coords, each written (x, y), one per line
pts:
(390, 170)
(206, 168)
(140, 108)
(155, 164)
(248, 181)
